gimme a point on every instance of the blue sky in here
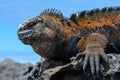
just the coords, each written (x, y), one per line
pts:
(14, 12)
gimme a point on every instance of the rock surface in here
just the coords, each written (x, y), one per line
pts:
(53, 70)
(10, 70)
(73, 71)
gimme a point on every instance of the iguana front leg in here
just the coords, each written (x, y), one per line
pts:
(93, 49)
(37, 70)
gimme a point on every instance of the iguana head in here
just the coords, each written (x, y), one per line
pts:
(42, 32)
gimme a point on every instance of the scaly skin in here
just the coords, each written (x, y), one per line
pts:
(50, 35)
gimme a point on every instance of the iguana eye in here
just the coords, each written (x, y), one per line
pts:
(40, 20)
(32, 24)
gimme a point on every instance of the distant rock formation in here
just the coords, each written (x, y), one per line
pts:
(10, 70)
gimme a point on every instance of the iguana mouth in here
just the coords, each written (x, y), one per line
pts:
(25, 34)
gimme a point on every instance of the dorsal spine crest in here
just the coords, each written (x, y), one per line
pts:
(94, 11)
(53, 12)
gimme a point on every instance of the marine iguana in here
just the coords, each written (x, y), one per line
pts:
(91, 34)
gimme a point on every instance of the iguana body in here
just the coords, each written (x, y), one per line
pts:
(50, 34)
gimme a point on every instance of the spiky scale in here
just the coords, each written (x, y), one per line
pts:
(53, 9)
(110, 9)
(104, 9)
(82, 14)
(118, 8)
(97, 10)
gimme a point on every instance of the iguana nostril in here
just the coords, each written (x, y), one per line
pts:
(21, 29)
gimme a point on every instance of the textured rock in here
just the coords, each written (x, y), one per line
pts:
(54, 70)
(73, 71)
(10, 70)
